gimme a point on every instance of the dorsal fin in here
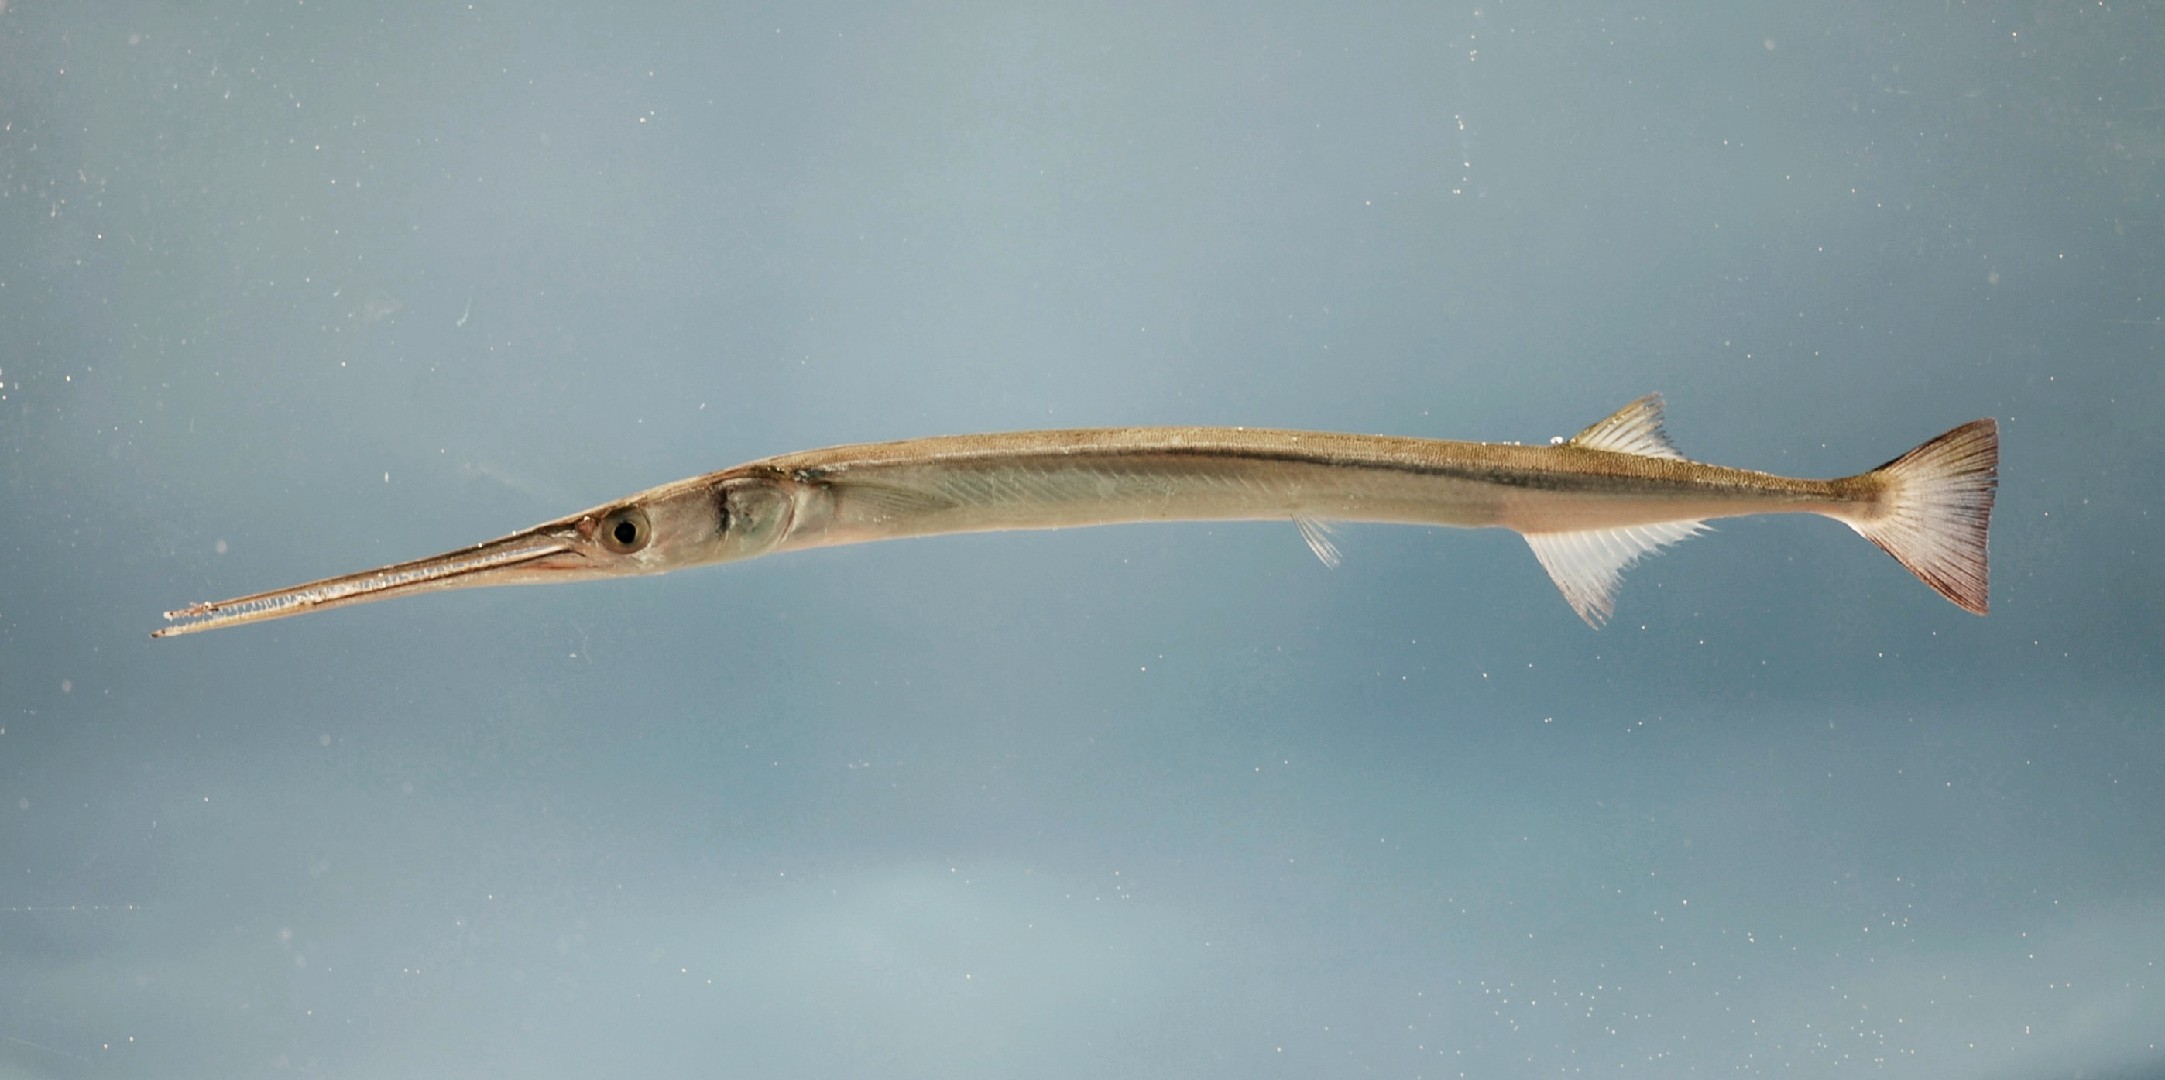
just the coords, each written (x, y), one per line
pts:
(1633, 429)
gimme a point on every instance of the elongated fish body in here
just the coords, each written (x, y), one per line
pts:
(1588, 507)
(1103, 476)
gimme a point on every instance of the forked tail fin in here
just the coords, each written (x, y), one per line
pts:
(1934, 509)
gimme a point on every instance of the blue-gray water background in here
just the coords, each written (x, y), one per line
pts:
(289, 289)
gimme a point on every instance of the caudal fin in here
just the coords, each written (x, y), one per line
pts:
(1934, 509)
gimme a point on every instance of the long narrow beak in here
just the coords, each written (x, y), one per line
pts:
(543, 553)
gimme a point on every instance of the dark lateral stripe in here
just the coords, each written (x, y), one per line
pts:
(1527, 479)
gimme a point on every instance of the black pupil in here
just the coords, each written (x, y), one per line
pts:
(625, 532)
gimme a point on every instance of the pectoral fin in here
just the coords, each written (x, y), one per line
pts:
(883, 501)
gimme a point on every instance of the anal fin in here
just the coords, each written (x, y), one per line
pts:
(1588, 565)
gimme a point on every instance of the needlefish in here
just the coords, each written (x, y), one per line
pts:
(1589, 506)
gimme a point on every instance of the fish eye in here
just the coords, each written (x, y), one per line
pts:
(625, 531)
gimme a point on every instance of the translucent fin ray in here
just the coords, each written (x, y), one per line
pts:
(1634, 429)
(1588, 565)
(1938, 511)
(898, 501)
(1317, 532)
